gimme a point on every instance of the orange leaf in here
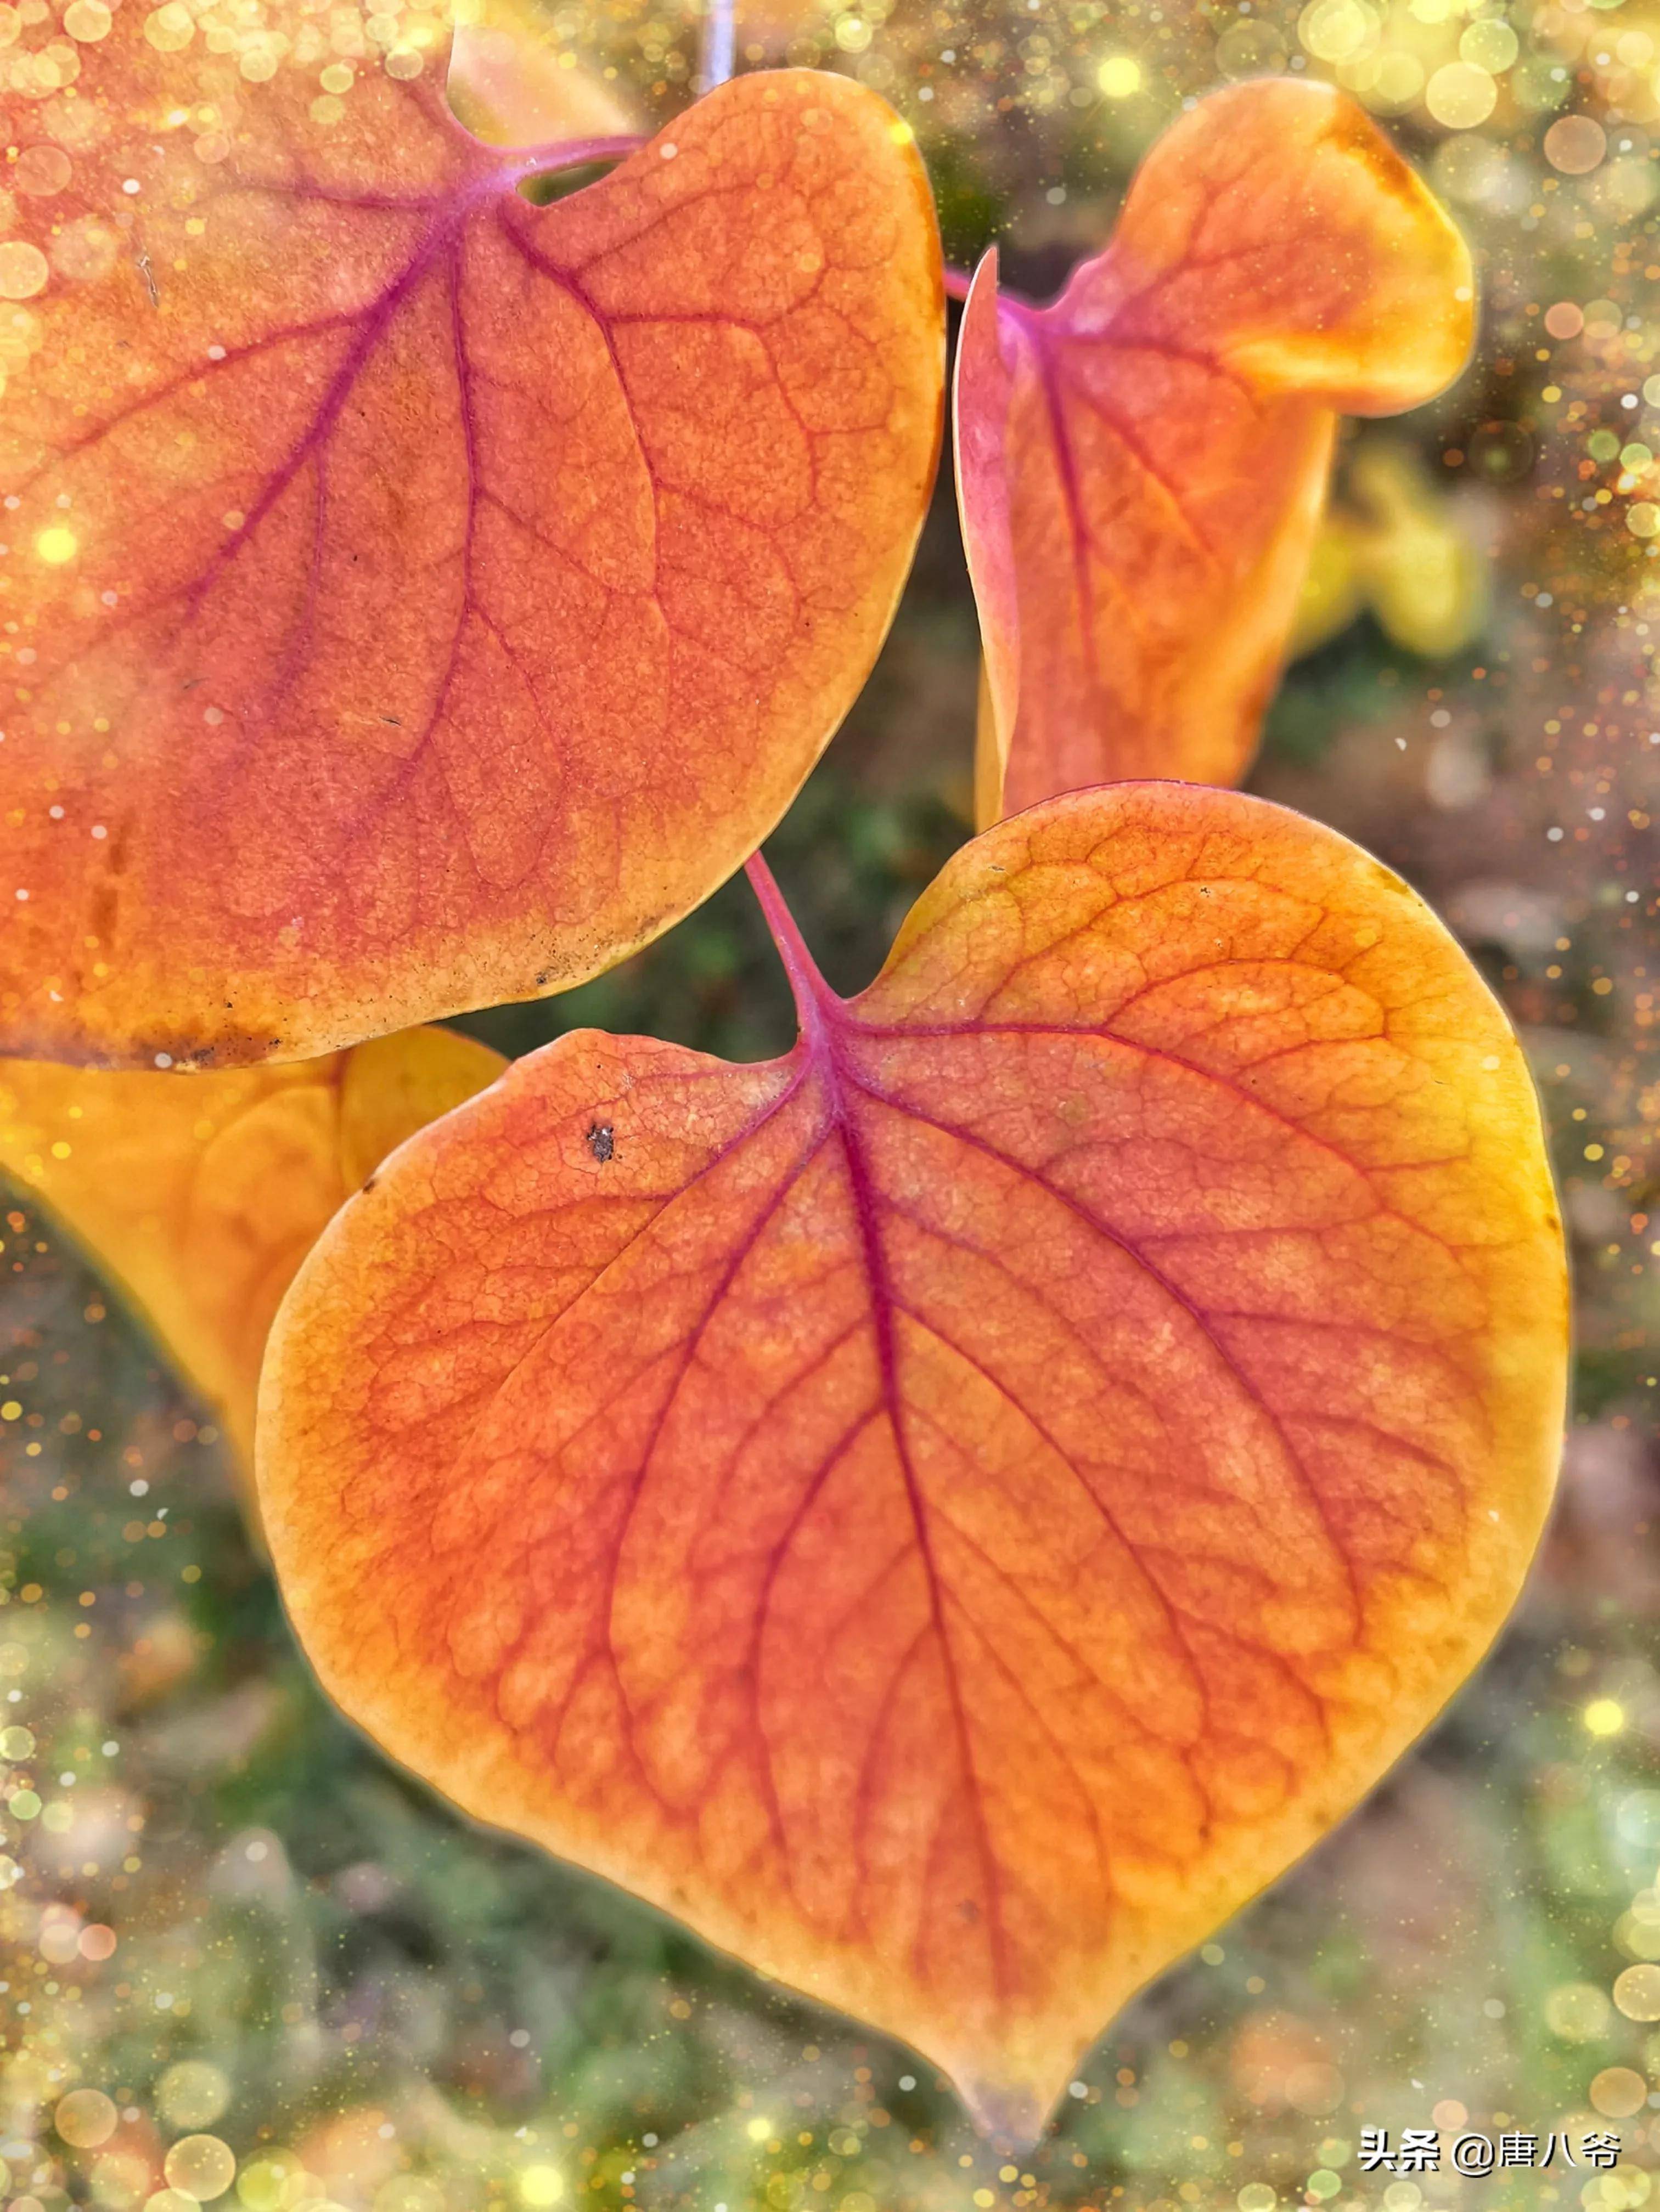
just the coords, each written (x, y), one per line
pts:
(198, 1196)
(422, 598)
(1140, 466)
(953, 1511)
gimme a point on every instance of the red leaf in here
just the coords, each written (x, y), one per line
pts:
(953, 1512)
(1140, 466)
(424, 598)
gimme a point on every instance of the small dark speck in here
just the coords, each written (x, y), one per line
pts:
(601, 1141)
(393, 722)
(369, 1184)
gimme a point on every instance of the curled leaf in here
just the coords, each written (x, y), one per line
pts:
(954, 1511)
(419, 598)
(1140, 466)
(197, 1197)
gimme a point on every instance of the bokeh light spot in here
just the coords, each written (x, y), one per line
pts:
(23, 270)
(42, 171)
(1618, 2092)
(86, 2118)
(192, 2094)
(1461, 95)
(1575, 144)
(1119, 76)
(1637, 1992)
(200, 2168)
(1578, 2012)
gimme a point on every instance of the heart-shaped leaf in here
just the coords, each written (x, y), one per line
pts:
(418, 598)
(1140, 466)
(197, 1197)
(954, 1511)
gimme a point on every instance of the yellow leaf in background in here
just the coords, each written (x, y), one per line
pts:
(1333, 594)
(1393, 543)
(198, 1196)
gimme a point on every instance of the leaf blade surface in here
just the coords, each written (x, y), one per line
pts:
(428, 596)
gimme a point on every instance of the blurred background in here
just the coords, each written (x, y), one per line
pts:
(245, 1962)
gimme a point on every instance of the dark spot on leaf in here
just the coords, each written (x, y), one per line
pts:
(601, 1141)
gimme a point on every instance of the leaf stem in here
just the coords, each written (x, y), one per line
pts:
(720, 33)
(575, 153)
(812, 994)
